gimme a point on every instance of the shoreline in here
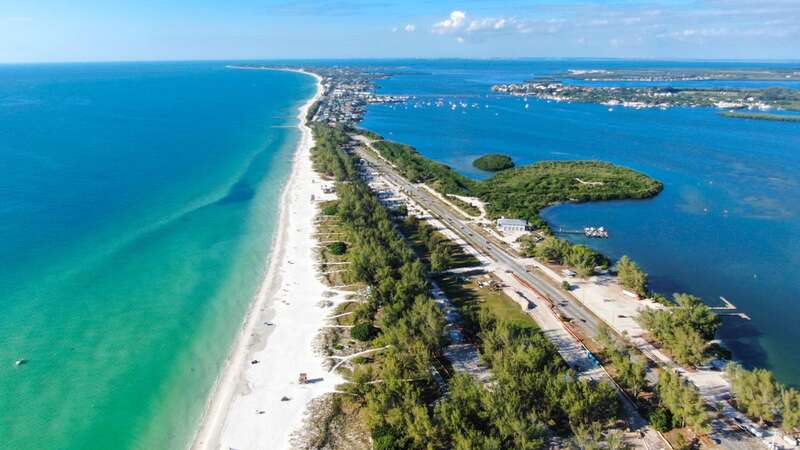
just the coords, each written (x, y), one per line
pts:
(239, 383)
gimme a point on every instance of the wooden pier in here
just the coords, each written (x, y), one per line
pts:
(728, 306)
(590, 232)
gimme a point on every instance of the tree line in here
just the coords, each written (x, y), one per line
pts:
(559, 251)
(399, 399)
(760, 396)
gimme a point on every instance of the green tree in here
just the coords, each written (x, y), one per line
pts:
(688, 346)
(363, 332)
(588, 437)
(684, 328)
(337, 248)
(790, 409)
(583, 259)
(330, 210)
(440, 257)
(631, 276)
(605, 337)
(682, 400)
(615, 440)
(756, 392)
(661, 419)
(692, 311)
(552, 250)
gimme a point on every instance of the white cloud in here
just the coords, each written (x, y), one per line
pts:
(410, 28)
(454, 23)
(722, 23)
(488, 23)
(458, 23)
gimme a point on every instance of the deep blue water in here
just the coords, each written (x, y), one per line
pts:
(727, 223)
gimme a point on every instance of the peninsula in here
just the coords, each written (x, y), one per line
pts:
(419, 304)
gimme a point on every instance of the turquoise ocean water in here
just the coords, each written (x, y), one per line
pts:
(137, 207)
(727, 223)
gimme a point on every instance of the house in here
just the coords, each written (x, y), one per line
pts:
(504, 224)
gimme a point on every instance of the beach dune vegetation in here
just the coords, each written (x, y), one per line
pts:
(363, 332)
(337, 248)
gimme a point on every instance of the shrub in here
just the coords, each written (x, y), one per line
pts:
(566, 286)
(661, 419)
(330, 210)
(338, 248)
(386, 438)
(363, 332)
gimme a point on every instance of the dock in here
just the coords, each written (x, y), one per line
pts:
(728, 306)
(742, 316)
(590, 232)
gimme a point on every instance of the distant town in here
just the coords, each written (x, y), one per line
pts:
(657, 97)
(656, 75)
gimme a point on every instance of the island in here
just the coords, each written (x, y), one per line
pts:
(683, 74)
(493, 162)
(761, 116)
(657, 96)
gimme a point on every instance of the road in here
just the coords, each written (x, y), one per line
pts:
(565, 305)
(505, 262)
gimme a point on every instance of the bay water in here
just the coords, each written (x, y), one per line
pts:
(727, 223)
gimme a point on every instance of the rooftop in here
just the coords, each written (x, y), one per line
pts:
(511, 222)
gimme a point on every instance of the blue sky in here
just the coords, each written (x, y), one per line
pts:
(101, 30)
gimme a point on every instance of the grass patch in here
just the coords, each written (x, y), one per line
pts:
(467, 207)
(471, 300)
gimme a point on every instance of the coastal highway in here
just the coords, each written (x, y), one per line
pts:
(565, 305)
(506, 262)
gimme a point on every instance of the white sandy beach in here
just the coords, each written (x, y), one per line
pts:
(246, 410)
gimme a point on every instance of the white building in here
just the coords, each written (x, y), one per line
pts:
(504, 224)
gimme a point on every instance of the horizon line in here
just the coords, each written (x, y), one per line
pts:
(417, 58)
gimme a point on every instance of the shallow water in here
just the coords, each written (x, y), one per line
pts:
(137, 205)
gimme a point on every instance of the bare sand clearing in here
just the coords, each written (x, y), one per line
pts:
(248, 408)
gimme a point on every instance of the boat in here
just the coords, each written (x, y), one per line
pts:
(598, 232)
(20, 362)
